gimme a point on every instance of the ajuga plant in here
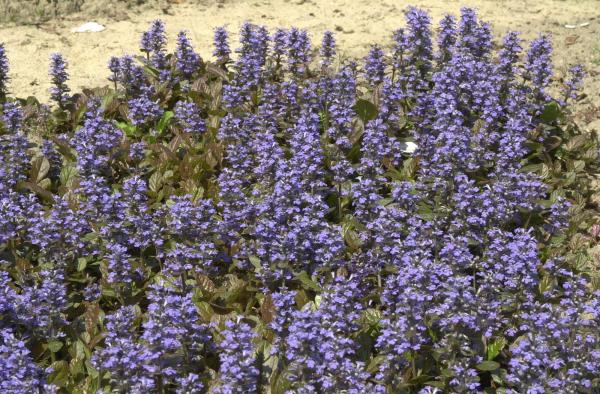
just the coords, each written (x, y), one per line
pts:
(283, 220)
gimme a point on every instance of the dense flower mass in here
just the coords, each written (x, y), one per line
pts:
(18, 372)
(286, 220)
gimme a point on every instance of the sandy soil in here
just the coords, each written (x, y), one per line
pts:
(357, 25)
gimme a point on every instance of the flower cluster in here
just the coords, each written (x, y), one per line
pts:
(188, 115)
(18, 372)
(238, 372)
(143, 110)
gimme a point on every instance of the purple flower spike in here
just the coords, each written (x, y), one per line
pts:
(327, 50)
(446, 38)
(298, 46)
(538, 69)
(131, 76)
(188, 115)
(3, 71)
(375, 66)
(155, 39)
(188, 61)
(221, 44)
(574, 84)
(58, 73)
(475, 37)
(237, 371)
(418, 41)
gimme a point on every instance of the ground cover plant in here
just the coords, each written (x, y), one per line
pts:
(282, 220)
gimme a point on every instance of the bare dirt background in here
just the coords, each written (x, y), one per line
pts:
(357, 24)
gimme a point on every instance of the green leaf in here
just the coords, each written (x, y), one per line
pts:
(30, 100)
(375, 362)
(128, 129)
(497, 379)
(537, 167)
(217, 71)
(89, 237)
(233, 289)
(307, 281)
(45, 183)
(108, 292)
(80, 350)
(164, 121)
(150, 69)
(206, 285)
(372, 317)
(34, 187)
(63, 147)
(67, 175)
(409, 168)
(93, 372)
(280, 382)
(545, 284)
(578, 165)
(76, 366)
(108, 99)
(577, 142)
(156, 182)
(365, 110)
(435, 383)
(352, 239)
(81, 264)
(39, 169)
(55, 346)
(365, 343)
(355, 152)
(255, 261)
(551, 112)
(60, 373)
(494, 348)
(488, 366)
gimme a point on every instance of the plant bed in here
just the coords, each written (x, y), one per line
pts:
(284, 220)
